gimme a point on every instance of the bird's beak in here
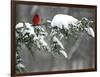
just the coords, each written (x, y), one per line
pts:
(90, 31)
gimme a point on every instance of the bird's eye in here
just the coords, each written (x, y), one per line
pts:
(36, 15)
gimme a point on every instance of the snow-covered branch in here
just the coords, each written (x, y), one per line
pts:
(61, 27)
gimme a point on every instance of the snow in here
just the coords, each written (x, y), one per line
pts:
(20, 65)
(53, 32)
(48, 21)
(43, 42)
(19, 60)
(59, 43)
(40, 42)
(31, 29)
(19, 25)
(64, 53)
(37, 43)
(27, 28)
(16, 55)
(61, 20)
(61, 36)
(90, 31)
(28, 24)
(41, 28)
(43, 32)
(35, 38)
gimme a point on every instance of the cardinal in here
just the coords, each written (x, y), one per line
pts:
(36, 20)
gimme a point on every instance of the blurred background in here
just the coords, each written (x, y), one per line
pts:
(83, 56)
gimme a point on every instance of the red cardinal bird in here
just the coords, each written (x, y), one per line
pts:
(36, 20)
